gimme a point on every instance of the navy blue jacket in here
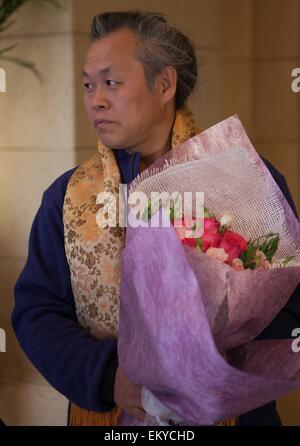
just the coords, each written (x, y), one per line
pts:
(44, 318)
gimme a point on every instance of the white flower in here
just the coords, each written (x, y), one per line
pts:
(227, 219)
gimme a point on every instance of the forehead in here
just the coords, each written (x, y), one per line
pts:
(115, 50)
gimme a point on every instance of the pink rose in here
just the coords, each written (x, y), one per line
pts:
(210, 240)
(210, 237)
(217, 254)
(237, 264)
(234, 244)
(192, 242)
(185, 231)
(211, 225)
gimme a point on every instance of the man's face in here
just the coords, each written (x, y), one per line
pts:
(118, 100)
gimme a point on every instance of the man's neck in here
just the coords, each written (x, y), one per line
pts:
(147, 160)
(162, 145)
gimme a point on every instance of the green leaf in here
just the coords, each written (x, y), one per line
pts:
(53, 3)
(270, 245)
(207, 213)
(8, 25)
(146, 215)
(9, 7)
(172, 214)
(223, 229)
(8, 48)
(199, 243)
(25, 64)
(248, 256)
(287, 260)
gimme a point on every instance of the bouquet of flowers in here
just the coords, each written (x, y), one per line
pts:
(227, 246)
(192, 306)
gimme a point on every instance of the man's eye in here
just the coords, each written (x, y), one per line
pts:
(88, 86)
(111, 83)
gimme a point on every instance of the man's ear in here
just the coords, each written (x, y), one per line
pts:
(168, 83)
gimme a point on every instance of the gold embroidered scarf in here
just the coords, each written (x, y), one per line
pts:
(94, 254)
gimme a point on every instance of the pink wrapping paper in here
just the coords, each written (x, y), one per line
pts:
(188, 322)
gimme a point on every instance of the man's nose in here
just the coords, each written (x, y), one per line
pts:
(100, 99)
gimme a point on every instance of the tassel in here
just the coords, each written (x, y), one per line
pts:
(81, 417)
(229, 422)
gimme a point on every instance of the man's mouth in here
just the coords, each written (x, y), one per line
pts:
(99, 123)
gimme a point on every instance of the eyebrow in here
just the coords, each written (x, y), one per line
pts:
(104, 70)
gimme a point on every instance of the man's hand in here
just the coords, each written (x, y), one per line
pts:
(127, 395)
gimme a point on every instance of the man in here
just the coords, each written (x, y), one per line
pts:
(138, 74)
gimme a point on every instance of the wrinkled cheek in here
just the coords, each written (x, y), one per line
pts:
(88, 108)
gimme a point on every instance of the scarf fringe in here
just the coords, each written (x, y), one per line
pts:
(229, 422)
(81, 417)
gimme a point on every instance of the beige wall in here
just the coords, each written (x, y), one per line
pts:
(277, 47)
(246, 50)
(260, 47)
(36, 145)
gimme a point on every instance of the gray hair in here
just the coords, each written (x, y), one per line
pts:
(162, 45)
